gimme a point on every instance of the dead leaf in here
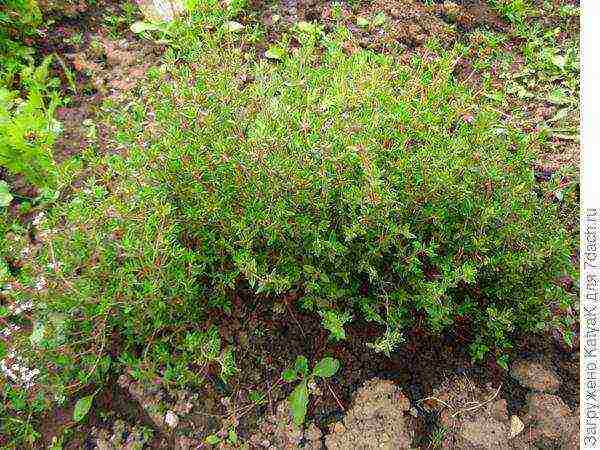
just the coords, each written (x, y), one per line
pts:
(516, 426)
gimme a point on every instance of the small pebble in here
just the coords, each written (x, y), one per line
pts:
(171, 419)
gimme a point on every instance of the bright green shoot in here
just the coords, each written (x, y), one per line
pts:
(298, 399)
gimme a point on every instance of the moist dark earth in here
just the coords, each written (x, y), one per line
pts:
(431, 379)
(428, 374)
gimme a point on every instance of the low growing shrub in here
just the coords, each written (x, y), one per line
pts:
(371, 189)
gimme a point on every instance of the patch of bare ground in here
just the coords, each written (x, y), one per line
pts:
(430, 391)
(96, 60)
(382, 25)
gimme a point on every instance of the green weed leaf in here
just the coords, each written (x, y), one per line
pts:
(5, 196)
(559, 97)
(232, 436)
(362, 22)
(298, 402)
(257, 397)
(307, 27)
(37, 335)
(233, 27)
(559, 61)
(289, 375)
(301, 365)
(142, 27)
(503, 361)
(212, 439)
(275, 53)
(326, 368)
(82, 407)
(379, 19)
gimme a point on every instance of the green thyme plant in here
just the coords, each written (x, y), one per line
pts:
(369, 188)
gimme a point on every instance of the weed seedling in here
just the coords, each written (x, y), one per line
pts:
(298, 399)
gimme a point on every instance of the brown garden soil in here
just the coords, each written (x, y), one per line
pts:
(409, 25)
(105, 64)
(267, 342)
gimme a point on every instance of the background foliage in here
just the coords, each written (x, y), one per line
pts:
(28, 97)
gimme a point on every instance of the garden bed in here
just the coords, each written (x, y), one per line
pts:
(107, 70)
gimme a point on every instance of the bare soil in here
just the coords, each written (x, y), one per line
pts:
(95, 61)
(267, 342)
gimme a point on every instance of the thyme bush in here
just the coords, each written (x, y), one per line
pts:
(371, 189)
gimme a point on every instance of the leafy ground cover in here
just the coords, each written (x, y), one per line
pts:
(381, 179)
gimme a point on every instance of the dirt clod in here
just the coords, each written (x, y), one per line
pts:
(278, 431)
(483, 433)
(376, 420)
(473, 417)
(550, 419)
(535, 375)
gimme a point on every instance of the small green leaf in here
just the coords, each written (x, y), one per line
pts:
(4, 271)
(379, 19)
(362, 22)
(82, 407)
(3, 350)
(562, 114)
(37, 335)
(405, 231)
(496, 96)
(233, 26)
(48, 195)
(326, 368)
(257, 397)
(301, 365)
(334, 322)
(275, 53)
(310, 270)
(232, 436)
(568, 338)
(141, 27)
(559, 61)
(306, 27)
(289, 375)
(212, 439)
(559, 97)
(5, 196)
(503, 361)
(298, 402)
